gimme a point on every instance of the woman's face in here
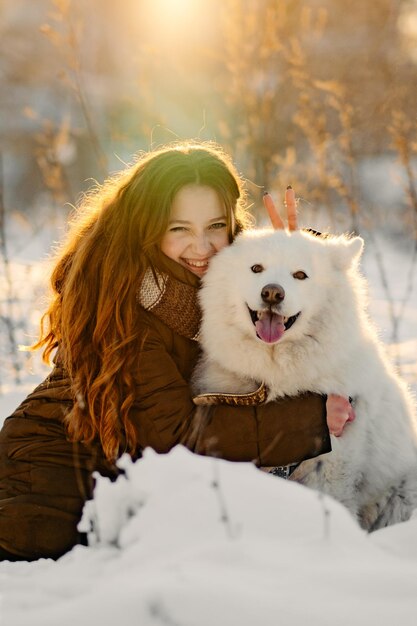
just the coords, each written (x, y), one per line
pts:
(197, 228)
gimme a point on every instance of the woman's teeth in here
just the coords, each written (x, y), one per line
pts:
(199, 264)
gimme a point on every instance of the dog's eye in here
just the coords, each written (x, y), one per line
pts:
(300, 275)
(256, 269)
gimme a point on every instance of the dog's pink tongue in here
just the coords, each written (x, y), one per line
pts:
(270, 327)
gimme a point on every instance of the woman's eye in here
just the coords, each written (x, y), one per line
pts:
(218, 225)
(177, 229)
(300, 275)
(256, 269)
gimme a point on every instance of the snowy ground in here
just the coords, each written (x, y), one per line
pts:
(211, 542)
(189, 541)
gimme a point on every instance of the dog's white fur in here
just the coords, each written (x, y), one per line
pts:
(331, 348)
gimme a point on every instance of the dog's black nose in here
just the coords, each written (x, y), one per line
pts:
(272, 294)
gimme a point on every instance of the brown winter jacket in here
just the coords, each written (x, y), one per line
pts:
(45, 479)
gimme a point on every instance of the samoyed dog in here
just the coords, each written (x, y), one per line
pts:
(289, 310)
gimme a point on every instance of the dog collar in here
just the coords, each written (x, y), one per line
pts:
(233, 399)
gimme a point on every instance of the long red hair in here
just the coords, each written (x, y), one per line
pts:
(112, 239)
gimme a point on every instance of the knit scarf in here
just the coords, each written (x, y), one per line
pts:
(176, 304)
(172, 301)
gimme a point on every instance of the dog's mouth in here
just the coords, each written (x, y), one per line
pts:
(270, 327)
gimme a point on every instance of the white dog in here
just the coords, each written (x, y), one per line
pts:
(289, 310)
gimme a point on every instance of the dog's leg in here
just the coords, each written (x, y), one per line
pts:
(330, 478)
(394, 506)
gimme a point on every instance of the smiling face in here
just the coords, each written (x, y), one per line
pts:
(266, 284)
(197, 228)
(275, 287)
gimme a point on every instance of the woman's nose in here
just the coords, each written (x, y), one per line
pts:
(202, 245)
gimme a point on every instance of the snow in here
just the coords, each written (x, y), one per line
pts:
(192, 541)
(211, 542)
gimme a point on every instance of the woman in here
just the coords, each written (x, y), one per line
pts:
(124, 319)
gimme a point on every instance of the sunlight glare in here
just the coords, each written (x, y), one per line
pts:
(174, 9)
(407, 25)
(173, 18)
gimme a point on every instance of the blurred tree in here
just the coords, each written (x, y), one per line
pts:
(310, 88)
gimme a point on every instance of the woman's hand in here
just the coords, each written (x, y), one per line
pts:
(273, 212)
(339, 413)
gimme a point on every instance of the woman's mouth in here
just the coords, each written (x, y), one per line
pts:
(199, 267)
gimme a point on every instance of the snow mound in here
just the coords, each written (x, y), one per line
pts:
(185, 540)
(198, 500)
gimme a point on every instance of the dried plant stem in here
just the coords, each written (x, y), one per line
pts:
(7, 317)
(317, 469)
(326, 516)
(385, 285)
(394, 316)
(224, 515)
(410, 282)
(158, 612)
(82, 98)
(404, 145)
(401, 131)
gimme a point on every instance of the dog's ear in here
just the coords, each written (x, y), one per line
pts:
(346, 251)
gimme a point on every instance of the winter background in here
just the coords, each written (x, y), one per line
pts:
(185, 540)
